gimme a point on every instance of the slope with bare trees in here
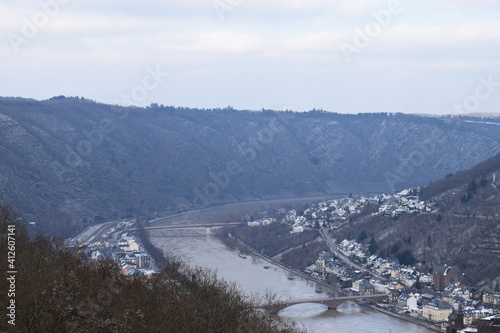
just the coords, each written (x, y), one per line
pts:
(57, 291)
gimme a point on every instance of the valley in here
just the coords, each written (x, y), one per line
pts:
(68, 163)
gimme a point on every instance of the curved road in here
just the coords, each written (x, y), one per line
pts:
(333, 248)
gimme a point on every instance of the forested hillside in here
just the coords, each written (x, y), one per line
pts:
(463, 230)
(70, 162)
(54, 290)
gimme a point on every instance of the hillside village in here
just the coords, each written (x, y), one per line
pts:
(433, 296)
(334, 213)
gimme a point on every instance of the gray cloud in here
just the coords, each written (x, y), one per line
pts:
(261, 54)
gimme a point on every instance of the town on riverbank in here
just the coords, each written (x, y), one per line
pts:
(437, 299)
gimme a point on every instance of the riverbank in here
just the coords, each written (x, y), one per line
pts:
(412, 320)
(406, 318)
(250, 276)
(335, 291)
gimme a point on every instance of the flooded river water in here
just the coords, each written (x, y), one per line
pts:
(253, 278)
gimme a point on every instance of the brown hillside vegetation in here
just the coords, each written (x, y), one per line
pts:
(57, 291)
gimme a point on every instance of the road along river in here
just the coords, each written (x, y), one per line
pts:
(251, 276)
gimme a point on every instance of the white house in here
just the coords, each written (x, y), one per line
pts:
(412, 302)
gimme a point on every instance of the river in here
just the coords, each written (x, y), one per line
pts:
(254, 279)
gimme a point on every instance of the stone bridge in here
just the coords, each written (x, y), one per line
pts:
(331, 303)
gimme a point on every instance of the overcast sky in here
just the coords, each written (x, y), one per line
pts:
(420, 56)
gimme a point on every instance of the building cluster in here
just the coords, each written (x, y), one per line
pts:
(334, 213)
(340, 270)
(492, 299)
(125, 247)
(438, 307)
(352, 249)
(265, 221)
(437, 298)
(387, 268)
